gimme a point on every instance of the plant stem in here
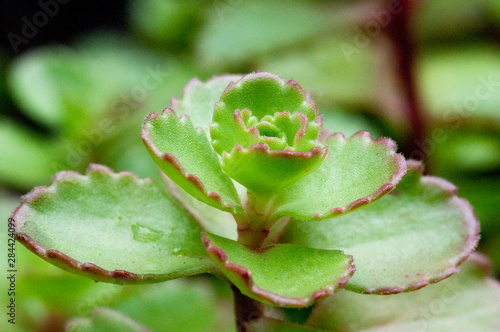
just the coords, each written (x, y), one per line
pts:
(257, 208)
(252, 238)
(254, 227)
(400, 33)
(246, 310)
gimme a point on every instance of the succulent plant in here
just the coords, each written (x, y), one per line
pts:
(260, 195)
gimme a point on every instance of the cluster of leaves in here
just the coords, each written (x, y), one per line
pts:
(79, 90)
(291, 259)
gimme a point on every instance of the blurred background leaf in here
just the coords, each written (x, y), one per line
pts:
(77, 91)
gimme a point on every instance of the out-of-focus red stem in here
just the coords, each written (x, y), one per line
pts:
(246, 310)
(400, 33)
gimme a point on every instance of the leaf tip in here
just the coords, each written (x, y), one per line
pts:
(416, 165)
(191, 84)
(65, 175)
(174, 103)
(150, 117)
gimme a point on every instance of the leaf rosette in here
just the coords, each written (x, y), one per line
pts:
(266, 130)
(260, 163)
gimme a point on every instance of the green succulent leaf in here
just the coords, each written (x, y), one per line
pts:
(267, 133)
(253, 101)
(285, 275)
(198, 99)
(416, 235)
(184, 153)
(263, 170)
(358, 171)
(105, 320)
(467, 301)
(111, 227)
(211, 219)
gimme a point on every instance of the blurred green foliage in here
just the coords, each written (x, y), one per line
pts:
(84, 103)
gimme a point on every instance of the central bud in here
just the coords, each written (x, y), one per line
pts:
(284, 131)
(266, 131)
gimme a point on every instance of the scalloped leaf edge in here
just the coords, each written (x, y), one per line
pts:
(69, 264)
(471, 223)
(480, 263)
(214, 128)
(267, 296)
(174, 162)
(313, 158)
(263, 148)
(291, 83)
(381, 191)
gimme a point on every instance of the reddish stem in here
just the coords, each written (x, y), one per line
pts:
(400, 33)
(246, 310)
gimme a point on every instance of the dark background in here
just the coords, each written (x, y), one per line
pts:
(79, 17)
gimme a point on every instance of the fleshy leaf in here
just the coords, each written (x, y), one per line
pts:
(416, 235)
(358, 171)
(468, 301)
(263, 170)
(266, 131)
(185, 155)
(104, 320)
(211, 219)
(111, 227)
(198, 99)
(285, 275)
(248, 101)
